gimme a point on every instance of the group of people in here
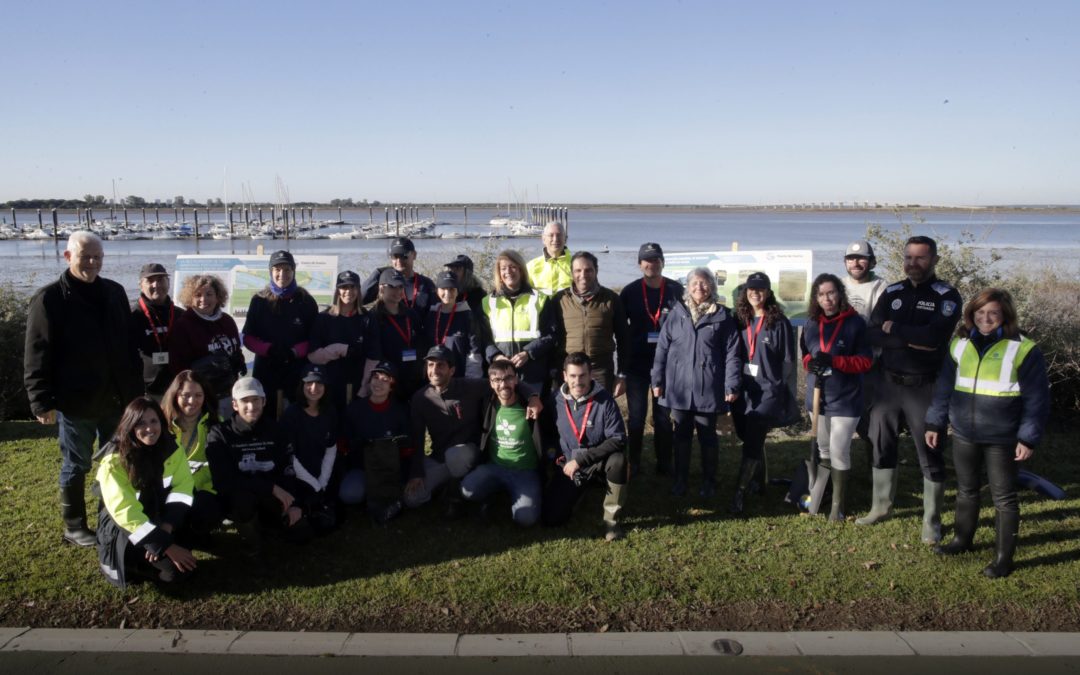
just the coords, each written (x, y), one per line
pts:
(408, 389)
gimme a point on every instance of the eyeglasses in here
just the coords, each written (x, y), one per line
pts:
(501, 380)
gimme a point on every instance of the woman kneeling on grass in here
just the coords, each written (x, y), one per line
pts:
(994, 391)
(190, 409)
(311, 427)
(146, 494)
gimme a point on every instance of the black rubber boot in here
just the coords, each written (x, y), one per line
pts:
(1008, 526)
(682, 468)
(967, 518)
(747, 470)
(250, 538)
(710, 461)
(634, 441)
(73, 511)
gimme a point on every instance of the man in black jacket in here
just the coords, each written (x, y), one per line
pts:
(152, 320)
(80, 368)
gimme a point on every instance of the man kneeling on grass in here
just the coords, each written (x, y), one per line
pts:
(511, 437)
(592, 438)
(252, 469)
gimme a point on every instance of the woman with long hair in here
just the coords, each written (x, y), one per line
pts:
(994, 392)
(836, 352)
(520, 323)
(191, 410)
(696, 374)
(345, 341)
(146, 493)
(768, 381)
(205, 338)
(311, 427)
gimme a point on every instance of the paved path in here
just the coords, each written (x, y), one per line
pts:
(118, 650)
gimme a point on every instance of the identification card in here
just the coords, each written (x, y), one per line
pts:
(161, 358)
(654, 337)
(750, 369)
(408, 355)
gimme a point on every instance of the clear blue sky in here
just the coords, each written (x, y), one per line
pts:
(665, 102)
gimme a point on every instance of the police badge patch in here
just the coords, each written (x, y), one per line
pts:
(948, 307)
(897, 303)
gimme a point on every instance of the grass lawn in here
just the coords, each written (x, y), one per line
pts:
(685, 564)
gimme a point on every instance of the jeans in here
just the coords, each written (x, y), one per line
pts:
(460, 459)
(638, 393)
(77, 443)
(522, 484)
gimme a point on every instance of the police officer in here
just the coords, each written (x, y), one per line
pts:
(911, 324)
(647, 305)
(419, 289)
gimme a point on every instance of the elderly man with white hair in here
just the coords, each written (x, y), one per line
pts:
(80, 368)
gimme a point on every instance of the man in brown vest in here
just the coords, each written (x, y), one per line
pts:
(591, 319)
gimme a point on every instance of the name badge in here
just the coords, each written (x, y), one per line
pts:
(654, 337)
(750, 369)
(161, 358)
(408, 355)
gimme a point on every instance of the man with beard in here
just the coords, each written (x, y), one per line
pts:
(911, 324)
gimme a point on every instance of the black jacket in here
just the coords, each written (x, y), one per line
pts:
(79, 356)
(151, 334)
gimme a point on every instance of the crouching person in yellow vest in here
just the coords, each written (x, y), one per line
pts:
(146, 496)
(993, 390)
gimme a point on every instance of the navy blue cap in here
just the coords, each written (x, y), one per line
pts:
(391, 277)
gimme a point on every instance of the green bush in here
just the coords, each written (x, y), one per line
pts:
(13, 401)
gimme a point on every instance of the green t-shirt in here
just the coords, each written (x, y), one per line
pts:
(511, 442)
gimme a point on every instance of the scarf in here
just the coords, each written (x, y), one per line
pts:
(280, 292)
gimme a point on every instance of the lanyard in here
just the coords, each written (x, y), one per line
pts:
(153, 326)
(415, 290)
(578, 433)
(406, 334)
(751, 337)
(655, 317)
(449, 322)
(821, 334)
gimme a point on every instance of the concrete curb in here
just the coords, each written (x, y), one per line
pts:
(846, 643)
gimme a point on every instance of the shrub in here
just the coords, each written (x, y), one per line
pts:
(13, 401)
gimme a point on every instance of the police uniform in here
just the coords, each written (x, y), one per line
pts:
(924, 317)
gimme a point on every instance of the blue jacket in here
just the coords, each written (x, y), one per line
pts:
(697, 364)
(841, 394)
(993, 419)
(604, 434)
(769, 377)
(641, 320)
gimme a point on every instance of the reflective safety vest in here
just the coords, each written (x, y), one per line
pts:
(121, 499)
(995, 373)
(196, 453)
(515, 321)
(550, 275)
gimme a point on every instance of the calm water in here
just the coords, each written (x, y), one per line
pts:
(1024, 237)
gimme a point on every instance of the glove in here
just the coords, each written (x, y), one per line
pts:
(821, 363)
(280, 353)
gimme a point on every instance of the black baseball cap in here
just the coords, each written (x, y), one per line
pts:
(401, 246)
(391, 277)
(650, 251)
(314, 373)
(282, 258)
(348, 278)
(461, 260)
(153, 270)
(439, 353)
(446, 279)
(386, 368)
(759, 280)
